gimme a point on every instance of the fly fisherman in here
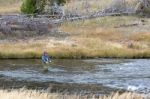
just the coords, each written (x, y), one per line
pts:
(45, 60)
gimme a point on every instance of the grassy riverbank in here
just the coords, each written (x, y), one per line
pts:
(30, 94)
(107, 37)
(118, 37)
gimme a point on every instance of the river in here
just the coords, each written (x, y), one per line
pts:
(126, 74)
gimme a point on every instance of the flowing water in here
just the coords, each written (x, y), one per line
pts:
(128, 74)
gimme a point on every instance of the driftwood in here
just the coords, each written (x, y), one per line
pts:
(10, 23)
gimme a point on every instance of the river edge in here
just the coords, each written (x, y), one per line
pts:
(7, 82)
(55, 87)
(74, 42)
(67, 49)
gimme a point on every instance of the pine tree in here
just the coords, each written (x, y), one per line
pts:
(29, 6)
(37, 6)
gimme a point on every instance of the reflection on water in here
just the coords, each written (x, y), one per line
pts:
(125, 74)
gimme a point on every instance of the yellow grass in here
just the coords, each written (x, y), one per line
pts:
(86, 40)
(92, 38)
(101, 41)
(141, 37)
(7, 10)
(83, 48)
(31, 94)
(10, 6)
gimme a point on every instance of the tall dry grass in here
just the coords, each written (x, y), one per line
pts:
(85, 6)
(88, 39)
(21, 49)
(100, 38)
(32, 94)
(10, 6)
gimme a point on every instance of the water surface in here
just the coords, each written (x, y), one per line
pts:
(129, 74)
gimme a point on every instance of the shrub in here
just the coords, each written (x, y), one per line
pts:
(28, 6)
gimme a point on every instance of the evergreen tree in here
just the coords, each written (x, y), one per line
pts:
(37, 6)
(29, 6)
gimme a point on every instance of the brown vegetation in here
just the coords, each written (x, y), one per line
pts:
(111, 37)
(30, 94)
(9, 6)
